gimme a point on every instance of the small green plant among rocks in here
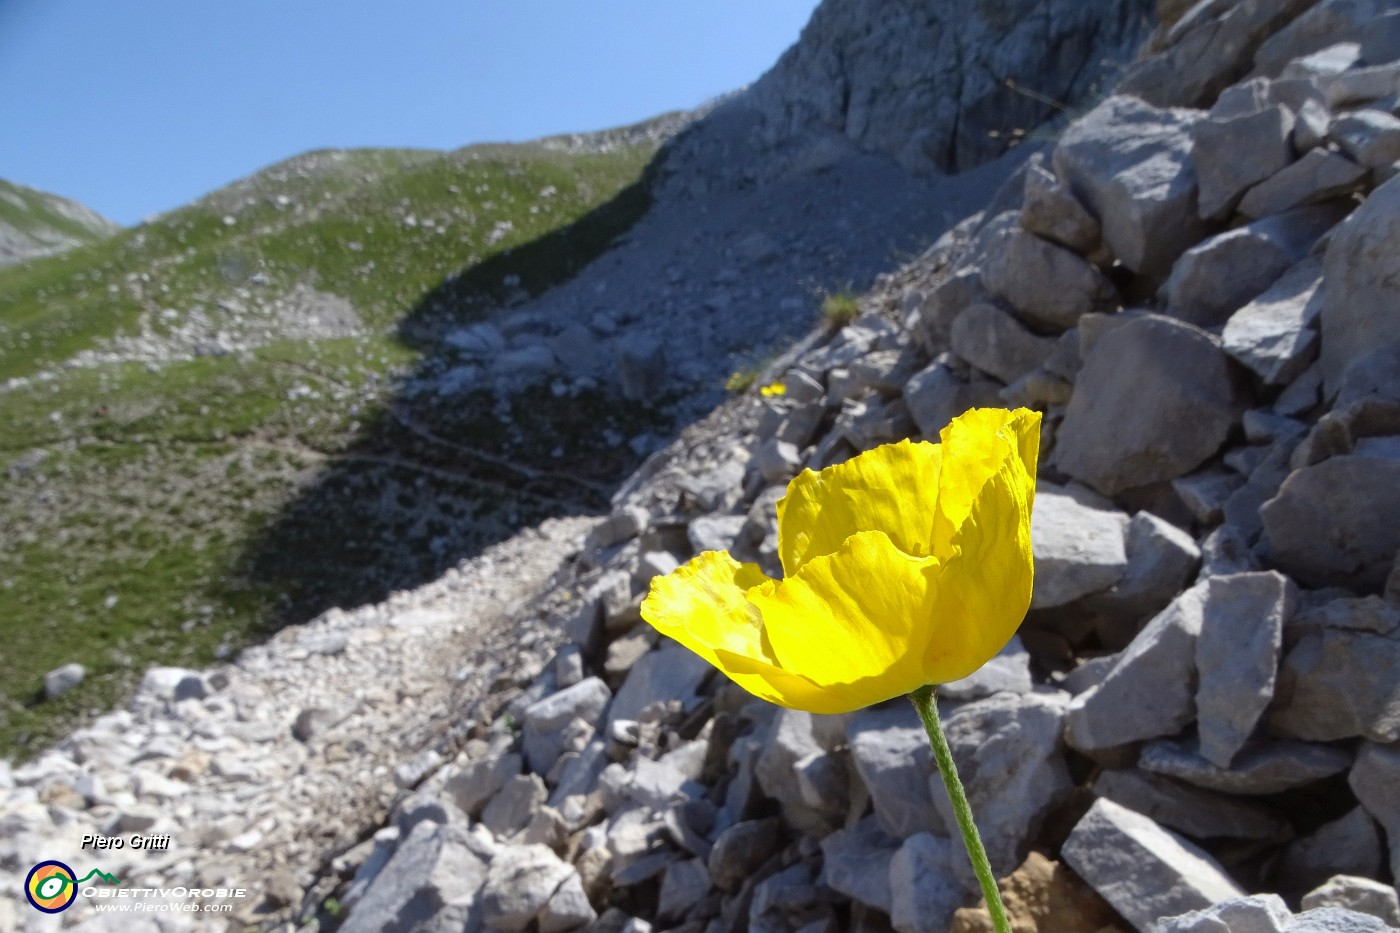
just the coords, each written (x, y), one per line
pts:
(840, 308)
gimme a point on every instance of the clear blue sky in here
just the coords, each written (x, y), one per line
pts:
(138, 106)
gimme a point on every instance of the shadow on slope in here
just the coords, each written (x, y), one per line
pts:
(432, 478)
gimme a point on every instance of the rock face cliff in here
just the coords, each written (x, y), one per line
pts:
(939, 87)
(1198, 721)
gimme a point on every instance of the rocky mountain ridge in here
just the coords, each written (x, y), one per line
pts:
(1195, 729)
(34, 223)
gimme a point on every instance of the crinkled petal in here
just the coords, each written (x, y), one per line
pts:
(701, 605)
(984, 588)
(890, 489)
(976, 446)
(856, 622)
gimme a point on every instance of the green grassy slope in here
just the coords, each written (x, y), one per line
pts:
(171, 512)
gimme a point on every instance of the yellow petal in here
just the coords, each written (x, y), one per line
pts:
(856, 623)
(772, 683)
(984, 587)
(890, 489)
(702, 606)
(976, 446)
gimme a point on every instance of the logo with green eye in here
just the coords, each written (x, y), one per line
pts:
(52, 886)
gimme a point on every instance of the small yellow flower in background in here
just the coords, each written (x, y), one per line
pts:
(907, 565)
(773, 388)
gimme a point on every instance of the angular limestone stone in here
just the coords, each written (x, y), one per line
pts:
(1373, 779)
(1143, 870)
(1197, 813)
(1048, 285)
(519, 883)
(1131, 165)
(1078, 541)
(1363, 284)
(1150, 691)
(1337, 920)
(1008, 753)
(1162, 559)
(1237, 657)
(1363, 895)
(997, 344)
(1332, 523)
(1338, 685)
(1231, 154)
(546, 719)
(923, 893)
(856, 862)
(1154, 400)
(1052, 211)
(1265, 768)
(433, 876)
(1262, 913)
(891, 753)
(1219, 275)
(1319, 175)
(1274, 334)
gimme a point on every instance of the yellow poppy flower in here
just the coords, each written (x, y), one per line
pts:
(907, 565)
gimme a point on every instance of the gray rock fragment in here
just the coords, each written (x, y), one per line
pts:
(994, 342)
(1273, 334)
(1048, 285)
(794, 737)
(1263, 768)
(1336, 920)
(1218, 276)
(1338, 685)
(936, 395)
(923, 894)
(856, 862)
(1130, 163)
(1363, 895)
(1232, 154)
(685, 883)
(1197, 813)
(1078, 542)
(1330, 523)
(891, 753)
(1261, 913)
(1144, 871)
(1052, 211)
(1348, 845)
(1363, 285)
(671, 671)
(1373, 780)
(1150, 691)
(1237, 657)
(431, 882)
(1008, 753)
(519, 883)
(741, 849)
(514, 805)
(60, 680)
(1162, 560)
(1318, 176)
(1154, 400)
(1370, 137)
(546, 719)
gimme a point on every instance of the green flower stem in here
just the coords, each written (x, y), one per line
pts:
(925, 703)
